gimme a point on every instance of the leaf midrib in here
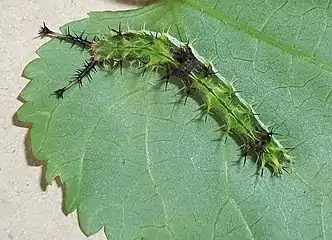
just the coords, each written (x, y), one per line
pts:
(253, 32)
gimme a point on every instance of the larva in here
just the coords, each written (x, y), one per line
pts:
(180, 61)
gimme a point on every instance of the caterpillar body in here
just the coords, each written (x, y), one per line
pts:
(164, 53)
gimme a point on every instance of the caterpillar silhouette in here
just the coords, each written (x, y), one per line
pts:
(180, 61)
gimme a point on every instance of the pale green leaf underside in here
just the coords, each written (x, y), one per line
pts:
(135, 160)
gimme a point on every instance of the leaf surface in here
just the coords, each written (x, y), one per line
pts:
(139, 163)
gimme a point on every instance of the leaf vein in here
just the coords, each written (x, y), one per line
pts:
(255, 33)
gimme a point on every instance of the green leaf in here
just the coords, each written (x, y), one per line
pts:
(136, 161)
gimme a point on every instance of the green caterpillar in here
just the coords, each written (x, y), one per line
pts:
(198, 76)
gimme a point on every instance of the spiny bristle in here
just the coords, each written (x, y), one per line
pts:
(89, 67)
(78, 39)
(59, 93)
(45, 31)
(118, 32)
